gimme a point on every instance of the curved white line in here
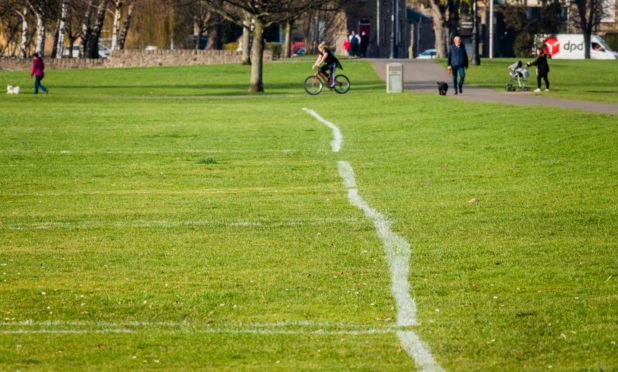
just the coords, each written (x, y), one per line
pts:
(397, 253)
(338, 138)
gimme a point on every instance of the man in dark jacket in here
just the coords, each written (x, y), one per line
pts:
(457, 63)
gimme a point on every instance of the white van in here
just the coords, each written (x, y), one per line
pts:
(571, 46)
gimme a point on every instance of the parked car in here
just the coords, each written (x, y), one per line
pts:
(298, 52)
(427, 54)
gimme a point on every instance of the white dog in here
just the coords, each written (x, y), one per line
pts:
(12, 90)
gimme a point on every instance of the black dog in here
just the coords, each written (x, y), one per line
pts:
(442, 87)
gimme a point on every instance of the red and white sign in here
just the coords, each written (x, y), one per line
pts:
(552, 46)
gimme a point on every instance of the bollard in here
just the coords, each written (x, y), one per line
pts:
(394, 78)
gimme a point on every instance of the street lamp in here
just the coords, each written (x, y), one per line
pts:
(476, 60)
(393, 53)
(491, 29)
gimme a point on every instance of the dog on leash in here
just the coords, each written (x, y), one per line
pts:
(12, 90)
(442, 87)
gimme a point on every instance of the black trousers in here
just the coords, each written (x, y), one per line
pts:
(538, 80)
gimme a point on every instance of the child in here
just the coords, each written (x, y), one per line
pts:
(330, 62)
(542, 69)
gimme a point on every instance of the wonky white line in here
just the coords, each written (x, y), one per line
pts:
(397, 253)
(338, 138)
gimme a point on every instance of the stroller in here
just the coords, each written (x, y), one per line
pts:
(517, 74)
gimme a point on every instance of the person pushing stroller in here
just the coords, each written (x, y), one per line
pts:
(542, 69)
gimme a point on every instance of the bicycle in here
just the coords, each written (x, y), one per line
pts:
(314, 83)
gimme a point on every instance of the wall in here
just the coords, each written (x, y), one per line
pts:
(136, 58)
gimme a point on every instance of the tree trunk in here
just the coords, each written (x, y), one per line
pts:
(61, 31)
(590, 13)
(316, 30)
(24, 33)
(439, 28)
(40, 33)
(86, 31)
(257, 53)
(93, 42)
(71, 44)
(125, 27)
(116, 23)
(587, 44)
(213, 36)
(55, 40)
(198, 34)
(246, 41)
(287, 47)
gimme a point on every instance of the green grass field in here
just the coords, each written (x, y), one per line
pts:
(592, 80)
(163, 218)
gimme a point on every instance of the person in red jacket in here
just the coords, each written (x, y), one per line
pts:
(38, 70)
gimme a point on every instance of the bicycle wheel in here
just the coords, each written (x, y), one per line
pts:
(342, 84)
(313, 85)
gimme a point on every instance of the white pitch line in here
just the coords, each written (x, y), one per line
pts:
(176, 324)
(209, 331)
(170, 224)
(397, 253)
(64, 331)
(277, 328)
(338, 138)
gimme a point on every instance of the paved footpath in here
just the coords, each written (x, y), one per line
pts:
(421, 76)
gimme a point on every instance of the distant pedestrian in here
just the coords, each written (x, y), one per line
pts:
(363, 44)
(38, 70)
(457, 64)
(542, 69)
(354, 43)
(346, 47)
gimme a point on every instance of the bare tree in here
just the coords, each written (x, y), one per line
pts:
(117, 14)
(73, 26)
(64, 10)
(263, 13)
(246, 40)
(86, 29)
(445, 15)
(126, 26)
(10, 22)
(92, 45)
(588, 15)
(91, 31)
(23, 13)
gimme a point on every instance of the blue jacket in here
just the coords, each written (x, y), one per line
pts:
(457, 56)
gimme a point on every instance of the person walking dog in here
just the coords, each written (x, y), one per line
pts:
(38, 70)
(457, 63)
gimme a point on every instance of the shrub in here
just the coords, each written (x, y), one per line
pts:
(231, 46)
(275, 48)
(523, 44)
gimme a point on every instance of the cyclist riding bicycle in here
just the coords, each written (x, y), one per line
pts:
(330, 63)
